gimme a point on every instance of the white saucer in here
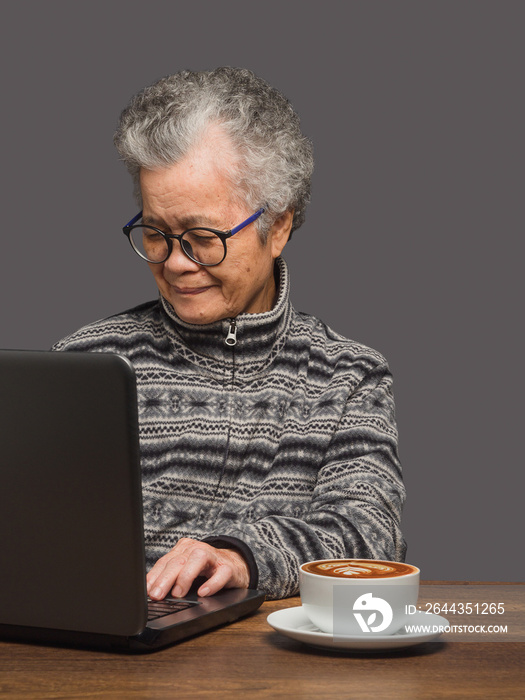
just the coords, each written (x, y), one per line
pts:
(293, 622)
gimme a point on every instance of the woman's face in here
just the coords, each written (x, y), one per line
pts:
(195, 192)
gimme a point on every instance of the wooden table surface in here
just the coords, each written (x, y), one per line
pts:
(250, 659)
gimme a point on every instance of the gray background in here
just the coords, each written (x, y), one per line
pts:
(413, 241)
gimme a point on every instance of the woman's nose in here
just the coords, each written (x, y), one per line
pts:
(178, 261)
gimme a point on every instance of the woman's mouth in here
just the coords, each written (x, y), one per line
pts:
(189, 291)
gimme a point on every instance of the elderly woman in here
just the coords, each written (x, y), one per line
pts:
(267, 439)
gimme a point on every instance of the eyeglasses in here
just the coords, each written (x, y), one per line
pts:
(203, 245)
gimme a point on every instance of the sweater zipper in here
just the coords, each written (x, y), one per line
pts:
(231, 338)
(231, 341)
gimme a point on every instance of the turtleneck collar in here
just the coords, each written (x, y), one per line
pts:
(259, 336)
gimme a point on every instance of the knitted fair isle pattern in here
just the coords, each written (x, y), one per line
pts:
(285, 441)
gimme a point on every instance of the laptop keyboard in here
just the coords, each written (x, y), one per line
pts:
(160, 608)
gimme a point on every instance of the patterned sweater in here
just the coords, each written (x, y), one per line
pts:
(283, 446)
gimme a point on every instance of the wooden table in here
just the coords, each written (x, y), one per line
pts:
(250, 659)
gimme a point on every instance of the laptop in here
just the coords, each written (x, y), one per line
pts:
(72, 562)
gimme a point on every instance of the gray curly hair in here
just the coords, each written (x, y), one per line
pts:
(275, 160)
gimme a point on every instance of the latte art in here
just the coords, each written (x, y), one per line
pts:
(355, 570)
(358, 568)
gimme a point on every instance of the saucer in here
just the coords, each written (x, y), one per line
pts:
(293, 623)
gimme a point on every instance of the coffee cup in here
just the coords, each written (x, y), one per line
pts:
(358, 597)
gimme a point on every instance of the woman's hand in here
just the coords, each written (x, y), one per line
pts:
(175, 571)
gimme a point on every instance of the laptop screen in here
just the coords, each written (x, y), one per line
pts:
(72, 552)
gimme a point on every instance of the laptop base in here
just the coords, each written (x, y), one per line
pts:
(224, 607)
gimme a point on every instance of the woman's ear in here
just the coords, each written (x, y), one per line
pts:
(279, 232)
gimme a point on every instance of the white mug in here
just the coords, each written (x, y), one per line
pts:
(358, 597)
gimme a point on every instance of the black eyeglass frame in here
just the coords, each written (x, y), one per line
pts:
(169, 237)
